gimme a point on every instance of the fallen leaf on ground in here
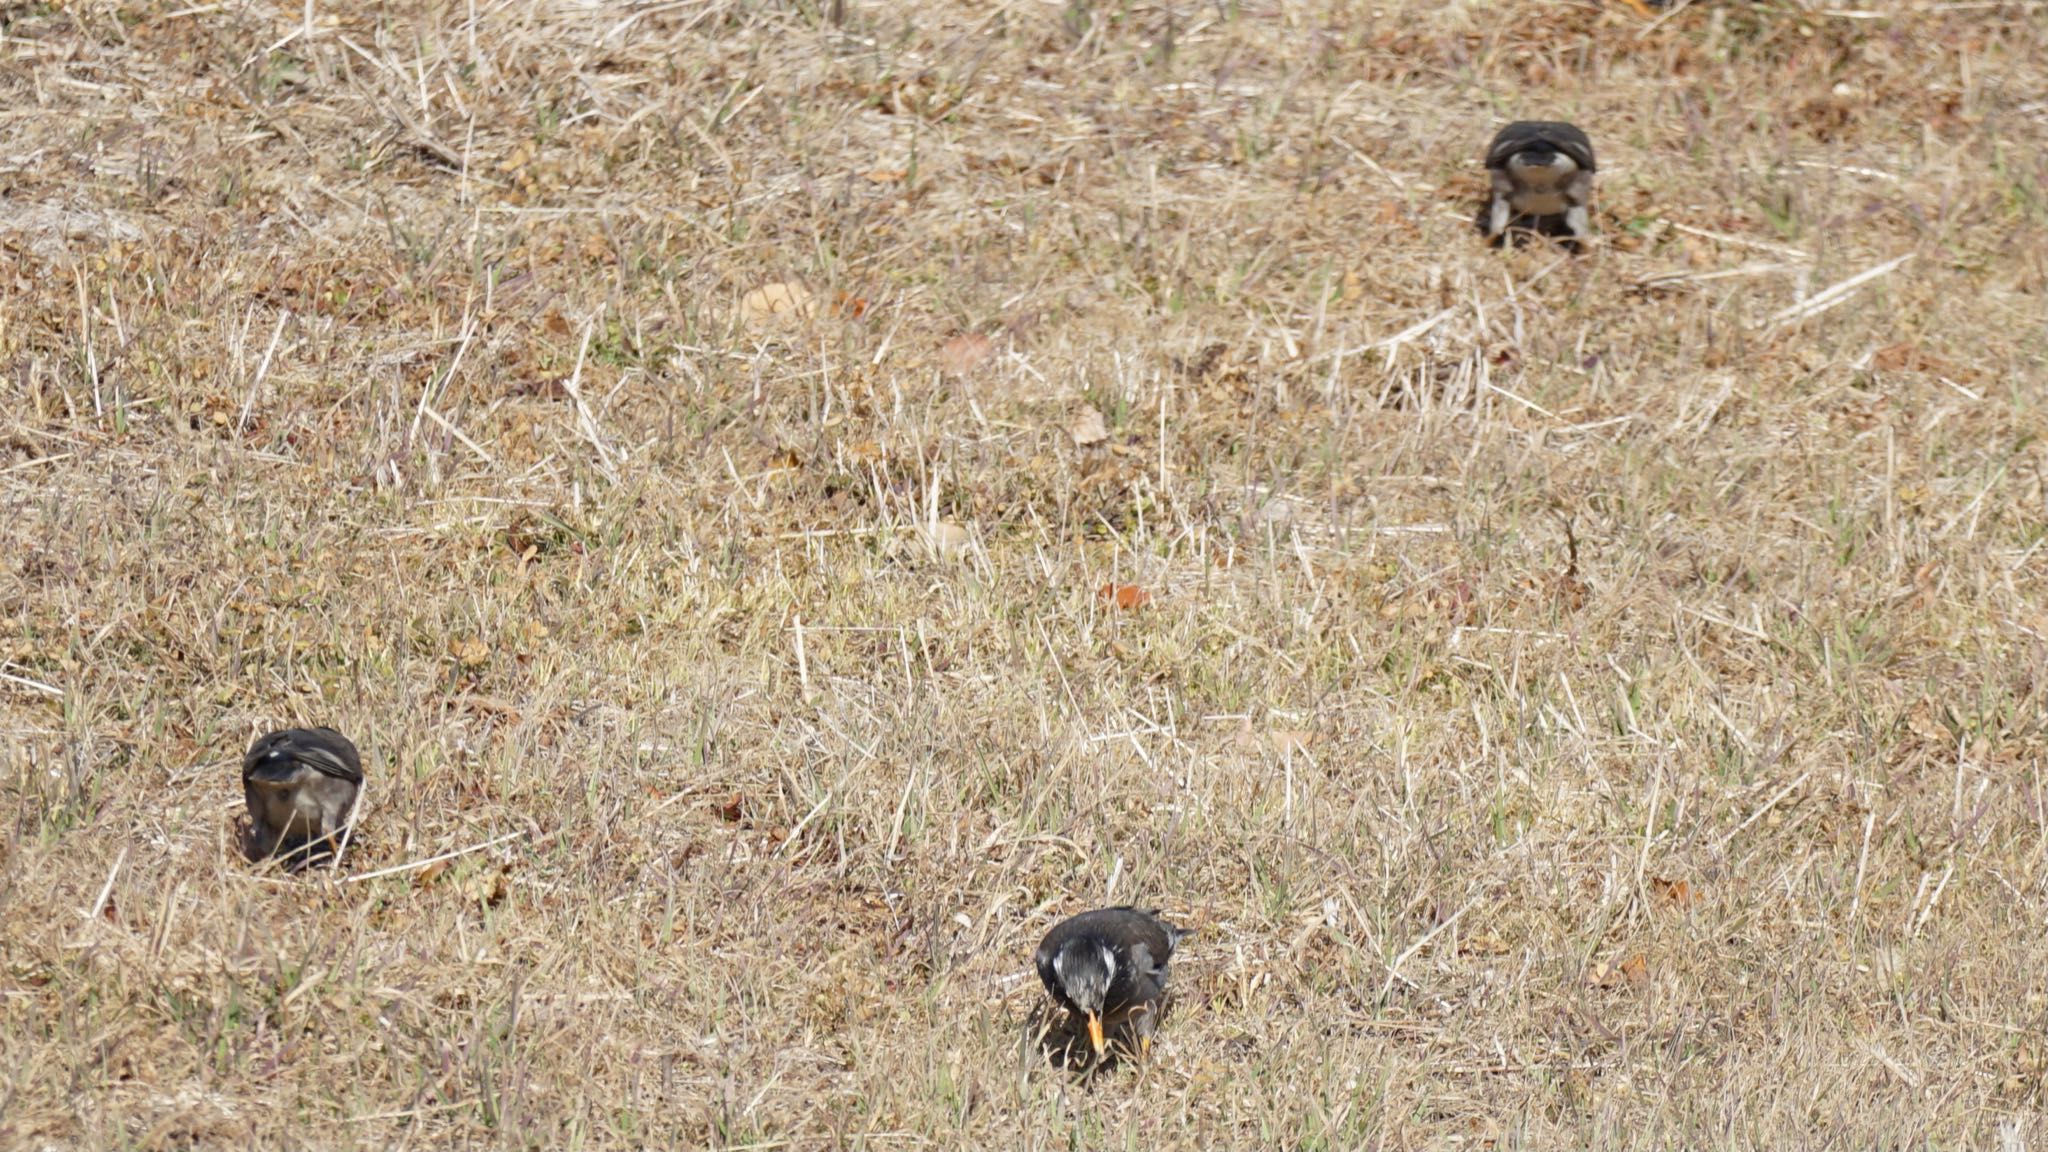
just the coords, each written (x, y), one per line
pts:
(1125, 596)
(1924, 723)
(776, 303)
(487, 885)
(1284, 741)
(964, 353)
(948, 540)
(1088, 428)
(731, 810)
(1633, 970)
(1675, 892)
(1483, 944)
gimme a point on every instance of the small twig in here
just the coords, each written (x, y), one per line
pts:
(38, 685)
(469, 323)
(1732, 625)
(1740, 242)
(425, 142)
(803, 664)
(1757, 815)
(805, 822)
(585, 422)
(262, 370)
(1833, 294)
(107, 889)
(37, 462)
(1419, 328)
(1904, 1074)
(1394, 969)
(1926, 910)
(1662, 19)
(348, 828)
(1649, 826)
(896, 825)
(1755, 268)
(419, 864)
(449, 427)
(1862, 859)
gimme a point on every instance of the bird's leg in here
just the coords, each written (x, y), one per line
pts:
(1497, 220)
(1579, 221)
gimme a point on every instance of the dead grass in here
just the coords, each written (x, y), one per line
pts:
(1582, 703)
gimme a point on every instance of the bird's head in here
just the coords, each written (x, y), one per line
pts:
(1085, 968)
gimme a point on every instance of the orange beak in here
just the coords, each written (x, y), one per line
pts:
(1095, 1034)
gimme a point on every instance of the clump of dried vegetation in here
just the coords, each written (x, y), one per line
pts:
(792, 498)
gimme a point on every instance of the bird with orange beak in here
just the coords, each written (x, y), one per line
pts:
(1108, 968)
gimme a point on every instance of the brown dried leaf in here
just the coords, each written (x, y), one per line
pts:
(1289, 740)
(469, 651)
(488, 885)
(1282, 741)
(1483, 944)
(1633, 970)
(850, 306)
(774, 304)
(1894, 357)
(1677, 893)
(949, 540)
(1088, 428)
(964, 353)
(1128, 597)
(731, 810)
(1924, 723)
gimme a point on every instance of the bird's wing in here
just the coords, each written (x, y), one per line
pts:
(329, 753)
(1510, 140)
(1145, 966)
(325, 762)
(1566, 138)
(1575, 144)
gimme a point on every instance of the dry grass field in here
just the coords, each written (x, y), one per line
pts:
(796, 497)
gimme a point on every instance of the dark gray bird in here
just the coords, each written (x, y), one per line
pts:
(301, 785)
(1108, 967)
(1542, 182)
